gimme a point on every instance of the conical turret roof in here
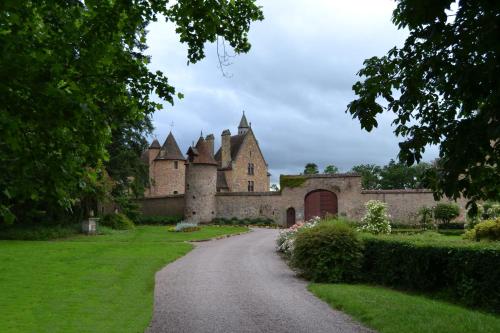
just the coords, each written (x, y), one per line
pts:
(170, 150)
(200, 154)
(155, 145)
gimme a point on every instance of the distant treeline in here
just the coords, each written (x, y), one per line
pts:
(393, 175)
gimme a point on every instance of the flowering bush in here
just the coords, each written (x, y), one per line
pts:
(285, 240)
(186, 227)
(376, 219)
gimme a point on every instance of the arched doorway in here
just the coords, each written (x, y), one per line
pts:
(290, 217)
(320, 203)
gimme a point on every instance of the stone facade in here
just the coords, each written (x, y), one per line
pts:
(168, 178)
(200, 204)
(166, 168)
(238, 175)
(170, 205)
(403, 205)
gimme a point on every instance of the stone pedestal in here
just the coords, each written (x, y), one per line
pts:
(89, 226)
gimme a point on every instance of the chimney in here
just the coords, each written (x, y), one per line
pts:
(210, 142)
(225, 148)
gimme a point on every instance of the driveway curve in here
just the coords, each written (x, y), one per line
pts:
(239, 284)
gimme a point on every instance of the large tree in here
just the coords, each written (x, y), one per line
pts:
(74, 75)
(443, 87)
(370, 175)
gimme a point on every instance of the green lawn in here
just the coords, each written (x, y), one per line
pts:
(88, 284)
(389, 311)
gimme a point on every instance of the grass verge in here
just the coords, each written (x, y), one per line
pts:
(88, 283)
(390, 311)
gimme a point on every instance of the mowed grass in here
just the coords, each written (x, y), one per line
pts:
(88, 284)
(390, 311)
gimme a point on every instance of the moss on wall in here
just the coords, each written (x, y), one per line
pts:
(291, 181)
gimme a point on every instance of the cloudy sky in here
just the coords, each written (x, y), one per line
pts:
(294, 84)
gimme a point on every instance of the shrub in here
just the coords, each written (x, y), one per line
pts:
(186, 227)
(286, 238)
(446, 212)
(491, 210)
(466, 272)
(376, 219)
(246, 221)
(425, 218)
(117, 221)
(486, 230)
(328, 252)
(452, 226)
(159, 220)
(38, 232)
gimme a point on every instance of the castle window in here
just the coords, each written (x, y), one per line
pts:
(175, 192)
(250, 186)
(250, 168)
(176, 165)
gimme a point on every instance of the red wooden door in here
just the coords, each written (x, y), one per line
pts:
(320, 203)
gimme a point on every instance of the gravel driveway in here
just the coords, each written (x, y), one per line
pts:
(239, 284)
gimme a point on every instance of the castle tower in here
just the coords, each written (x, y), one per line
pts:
(167, 168)
(201, 184)
(243, 127)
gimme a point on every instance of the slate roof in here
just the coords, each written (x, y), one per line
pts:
(200, 154)
(155, 145)
(170, 150)
(236, 143)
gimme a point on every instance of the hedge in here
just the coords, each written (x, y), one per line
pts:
(467, 274)
(158, 220)
(249, 221)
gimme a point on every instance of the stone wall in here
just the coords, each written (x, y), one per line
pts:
(249, 153)
(166, 179)
(170, 205)
(346, 187)
(403, 205)
(250, 205)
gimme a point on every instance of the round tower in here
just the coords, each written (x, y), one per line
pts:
(201, 184)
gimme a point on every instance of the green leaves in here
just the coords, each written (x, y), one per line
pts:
(442, 87)
(76, 94)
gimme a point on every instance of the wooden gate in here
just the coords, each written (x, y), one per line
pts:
(320, 203)
(290, 217)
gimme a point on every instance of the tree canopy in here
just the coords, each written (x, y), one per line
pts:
(443, 87)
(75, 77)
(311, 169)
(331, 169)
(394, 175)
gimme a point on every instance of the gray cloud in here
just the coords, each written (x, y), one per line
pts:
(294, 84)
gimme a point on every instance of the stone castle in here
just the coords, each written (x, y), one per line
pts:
(234, 183)
(239, 162)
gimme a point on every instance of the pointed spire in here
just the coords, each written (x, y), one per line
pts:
(243, 121)
(170, 149)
